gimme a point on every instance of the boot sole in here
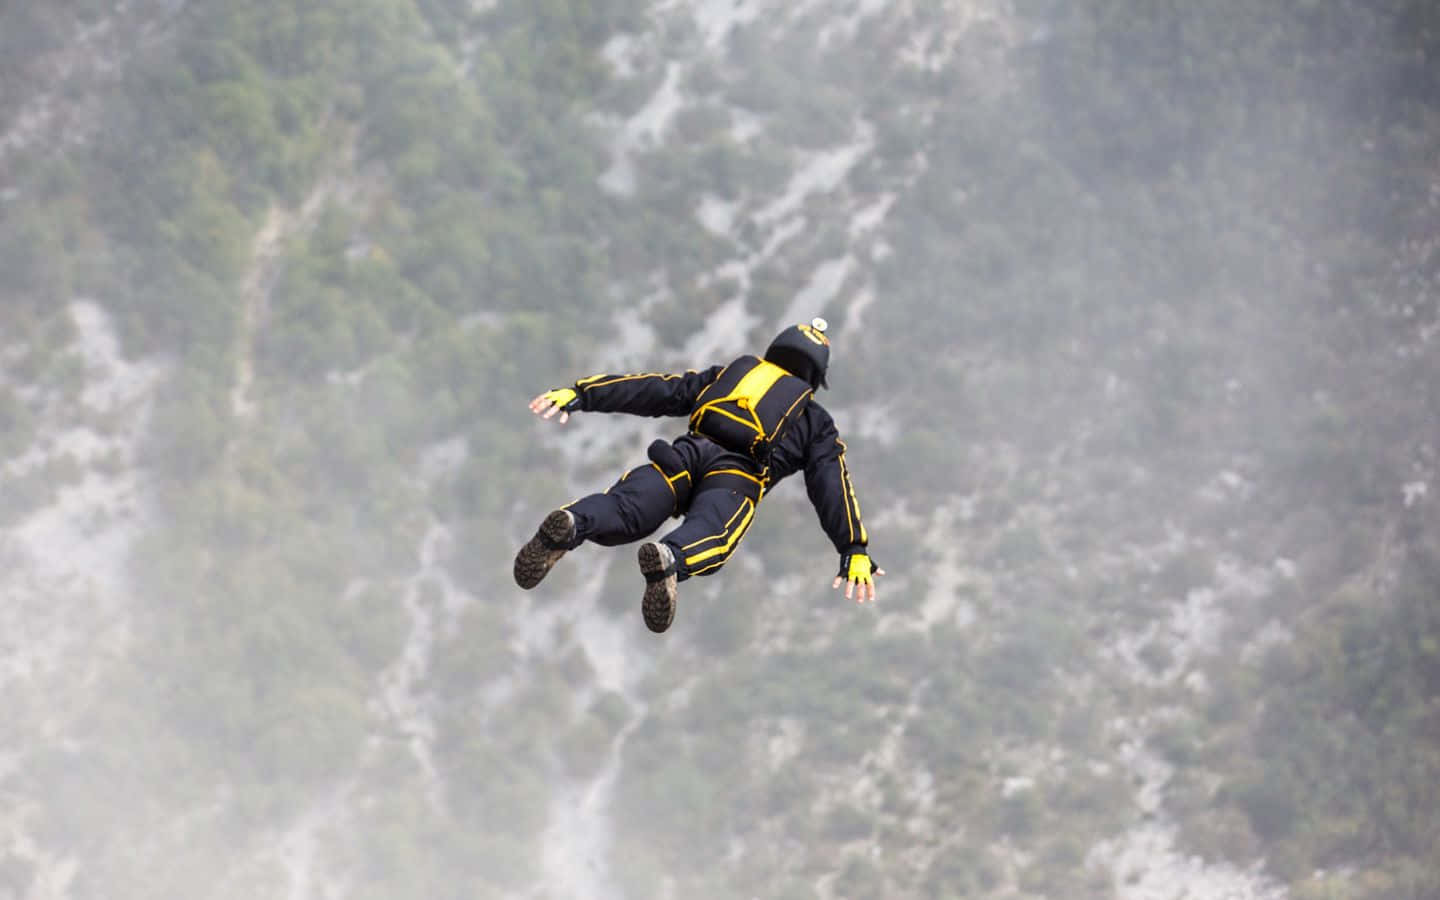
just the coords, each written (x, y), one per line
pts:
(658, 606)
(536, 559)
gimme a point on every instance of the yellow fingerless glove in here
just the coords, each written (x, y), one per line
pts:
(857, 567)
(565, 398)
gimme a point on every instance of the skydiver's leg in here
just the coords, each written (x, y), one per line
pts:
(633, 507)
(717, 519)
(714, 525)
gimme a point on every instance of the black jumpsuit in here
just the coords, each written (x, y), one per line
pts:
(715, 490)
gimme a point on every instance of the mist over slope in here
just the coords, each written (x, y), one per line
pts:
(1134, 313)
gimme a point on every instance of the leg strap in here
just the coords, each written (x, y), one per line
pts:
(672, 466)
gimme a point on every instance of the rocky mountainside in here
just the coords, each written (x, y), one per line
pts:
(1134, 315)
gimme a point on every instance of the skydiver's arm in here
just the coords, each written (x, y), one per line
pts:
(645, 394)
(827, 481)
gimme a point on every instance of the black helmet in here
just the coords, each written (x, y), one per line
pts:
(803, 351)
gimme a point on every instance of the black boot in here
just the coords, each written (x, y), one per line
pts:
(544, 550)
(657, 564)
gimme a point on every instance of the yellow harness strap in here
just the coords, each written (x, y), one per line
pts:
(746, 395)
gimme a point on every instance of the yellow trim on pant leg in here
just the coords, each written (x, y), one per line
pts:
(617, 482)
(749, 508)
(720, 535)
(666, 480)
(728, 549)
(741, 472)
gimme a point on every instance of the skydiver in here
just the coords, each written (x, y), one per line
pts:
(753, 423)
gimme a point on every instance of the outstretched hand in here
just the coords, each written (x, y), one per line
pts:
(551, 402)
(859, 584)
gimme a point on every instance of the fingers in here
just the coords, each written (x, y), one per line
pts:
(544, 407)
(870, 585)
(865, 592)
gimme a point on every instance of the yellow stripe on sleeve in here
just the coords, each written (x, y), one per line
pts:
(594, 382)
